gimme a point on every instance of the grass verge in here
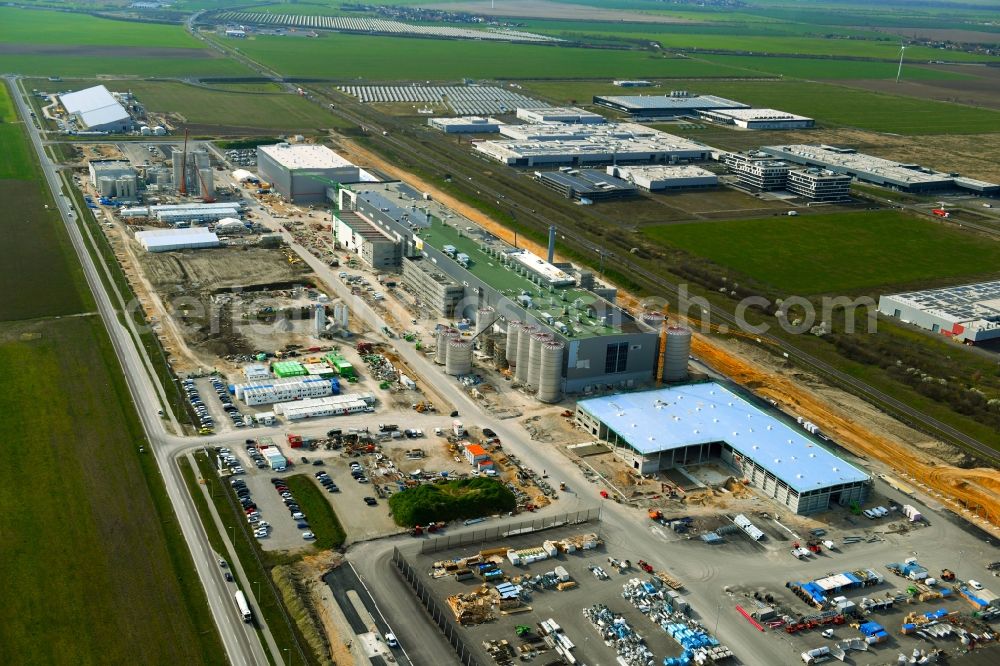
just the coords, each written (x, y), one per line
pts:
(323, 520)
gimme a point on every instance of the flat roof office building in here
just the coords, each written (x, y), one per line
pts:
(819, 184)
(697, 423)
(969, 312)
(302, 173)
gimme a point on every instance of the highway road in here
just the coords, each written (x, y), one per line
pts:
(241, 642)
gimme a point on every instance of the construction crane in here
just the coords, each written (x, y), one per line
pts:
(182, 186)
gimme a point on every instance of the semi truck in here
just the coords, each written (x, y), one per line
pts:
(242, 606)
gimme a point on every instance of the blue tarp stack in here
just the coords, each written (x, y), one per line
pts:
(690, 640)
(874, 632)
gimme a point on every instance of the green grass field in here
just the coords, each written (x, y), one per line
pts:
(837, 253)
(96, 570)
(91, 576)
(830, 104)
(323, 522)
(392, 59)
(47, 43)
(251, 106)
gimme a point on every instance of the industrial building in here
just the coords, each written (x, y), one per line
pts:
(534, 314)
(338, 405)
(693, 424)
(969, 313)
(870, 169)
(587, 185)
(579, 145)
(466, 125)
(560, 114)
(677, 103)
(654, 178)
(167, 240)
(353, 232)
(96, 110)
(758, 119)
(114, 178)
(303, 173)
(819, 184)
(193, 169)
(281, 389)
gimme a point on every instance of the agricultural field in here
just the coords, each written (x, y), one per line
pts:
(251, 106)
(46, 43)
(832, 70)
(96, 568)
(16, 162)
(93, 561)
(351, 57)
(831, 105)
(840, 253)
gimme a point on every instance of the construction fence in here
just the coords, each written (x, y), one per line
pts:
(504, 530)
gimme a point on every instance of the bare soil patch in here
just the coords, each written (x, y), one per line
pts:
(945, 34)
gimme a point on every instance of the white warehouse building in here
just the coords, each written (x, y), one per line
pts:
(285, 389)
(96, 110)
(167, 240)
(466, 125)
(560, 114)
(969, 313)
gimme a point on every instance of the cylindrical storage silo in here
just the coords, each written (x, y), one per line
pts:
(513, 328)
(459, 359)
(535, 357)
(523, 352)
(444, 334)
(653, 320)
(550, 375)
(484, 320)
(676, 352)
(500, 352)
(106, 186)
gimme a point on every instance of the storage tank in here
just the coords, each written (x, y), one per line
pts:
(444, 334)
(106, 186)
(550, 373)
(126, 187)
(535, 357)
(459, 357)
(677, 349)
(207, 177)
(653, 319)
(484, 320)
(513, 328)
(523, 352)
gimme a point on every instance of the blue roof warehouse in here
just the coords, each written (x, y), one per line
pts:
(698, 423)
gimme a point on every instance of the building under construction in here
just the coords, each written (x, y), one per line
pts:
(556, 328)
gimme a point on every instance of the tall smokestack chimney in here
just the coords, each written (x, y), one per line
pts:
(552, 243)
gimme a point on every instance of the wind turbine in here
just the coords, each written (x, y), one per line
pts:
(902, 50)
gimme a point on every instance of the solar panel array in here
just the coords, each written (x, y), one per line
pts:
(381, 26)
(463, 100)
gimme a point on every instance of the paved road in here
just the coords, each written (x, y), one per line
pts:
(240, 641)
